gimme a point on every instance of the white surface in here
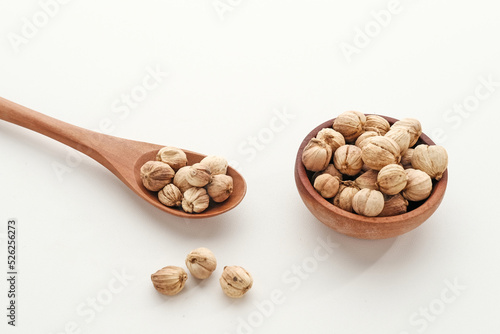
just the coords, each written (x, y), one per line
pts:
(226, 80)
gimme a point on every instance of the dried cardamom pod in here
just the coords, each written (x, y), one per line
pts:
(326, 185)
(344, 197)
(431, 159)
(394, 205)
(377, 123)
(347, 159)
(156, 174)
(350, 124)
(413, 125)
(195, 200)
(367, 180)
(316, 155)
(220, 188)
(331, 137)
(406, 158)
(170, 195)
(379, 152)
(173, 156)
(419, 185)
(368, 202)
(401, 136)
(201, 262)
(392, 179)
(199, 175)
(363, 138)
(217, 165)
(169, 280)
(235, 281)
(330, 169)
(180, 179)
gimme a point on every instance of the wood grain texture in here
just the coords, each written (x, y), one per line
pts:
(355, 225)
(123, 157)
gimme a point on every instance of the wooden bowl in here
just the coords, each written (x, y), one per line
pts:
(358, 226)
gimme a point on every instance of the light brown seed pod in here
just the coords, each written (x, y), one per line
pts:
(201, 262)
(217, 165)
(363, 139)
(379, 152)
(344, 197)
(392, 179)
(413, 125)
(316, 155)
(195, 200)
(199, 175)
(350, 124)
(347, 159)
(235, 281)
(173, 156)
(169, 280)
(180, 179)
(367, 180)
(330, 169)
(401, 136)
(406, 158)
(394, 205)
(431, 159)
(170, 195)
(220, 188)
(377, 123)
(368, 202)
(419, 185)
(156, 174)
(331, 137)
(326, 185)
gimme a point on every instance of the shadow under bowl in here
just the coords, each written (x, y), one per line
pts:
(359, 226)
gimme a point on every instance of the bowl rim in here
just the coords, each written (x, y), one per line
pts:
(436, 196)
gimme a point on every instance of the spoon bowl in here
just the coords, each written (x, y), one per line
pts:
(214, 209)
(123, 157)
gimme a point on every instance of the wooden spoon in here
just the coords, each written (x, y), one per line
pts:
(122, 157)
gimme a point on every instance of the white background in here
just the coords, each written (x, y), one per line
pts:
(230, 71)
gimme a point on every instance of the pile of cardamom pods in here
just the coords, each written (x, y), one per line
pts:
(188, 187)
(363, 164)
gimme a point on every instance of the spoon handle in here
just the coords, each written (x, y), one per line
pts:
(105, 149)
(63, 132)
